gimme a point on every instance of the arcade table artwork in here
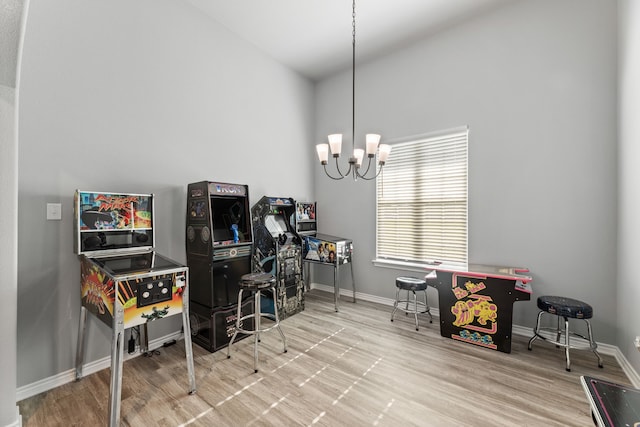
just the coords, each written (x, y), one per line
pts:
(612, 404)
(124, 282)
(476, 304)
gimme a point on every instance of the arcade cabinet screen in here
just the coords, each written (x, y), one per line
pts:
(226, 211)
(305, 211)
(275, 224)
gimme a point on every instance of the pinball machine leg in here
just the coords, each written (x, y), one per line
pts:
(144, 338)
(188, 349)
(353, 280)
(306, 275)
(80, 347)
(115, 384)
(336, 286)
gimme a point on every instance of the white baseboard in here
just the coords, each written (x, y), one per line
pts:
(68, 376)
(366, 297)
(18, 420)
(62, 378)
(607, 349)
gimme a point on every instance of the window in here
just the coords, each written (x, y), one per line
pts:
(422, 202)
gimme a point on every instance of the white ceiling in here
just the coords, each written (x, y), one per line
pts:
(314, 37)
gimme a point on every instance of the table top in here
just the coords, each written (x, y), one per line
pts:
(482, 270)
(612, 404)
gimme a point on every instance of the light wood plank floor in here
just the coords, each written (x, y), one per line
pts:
(353, 368)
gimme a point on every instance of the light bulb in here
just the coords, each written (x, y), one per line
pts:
(323, 153)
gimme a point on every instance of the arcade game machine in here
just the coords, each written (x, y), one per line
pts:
(219, 247)
(124, 282)
(278, 250)
(612, 404)
(323, 249)
(476, 304)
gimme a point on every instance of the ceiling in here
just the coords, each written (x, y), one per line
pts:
(314, 37)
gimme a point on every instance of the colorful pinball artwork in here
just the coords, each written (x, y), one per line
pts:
(103, 211)
(100, 290)
(320, 250)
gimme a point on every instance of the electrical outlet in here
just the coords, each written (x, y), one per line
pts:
(637, 343)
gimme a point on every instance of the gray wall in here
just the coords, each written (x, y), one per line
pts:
(629, 177)
(142, 96)
(12, 13)
(536, 83)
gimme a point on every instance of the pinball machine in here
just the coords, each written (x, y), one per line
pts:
(612, 404)
(323, 249)
(124, 281)
(278, 250)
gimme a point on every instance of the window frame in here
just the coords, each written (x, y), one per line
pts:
(405, 263)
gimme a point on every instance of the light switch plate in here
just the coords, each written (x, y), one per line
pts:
(54, 211)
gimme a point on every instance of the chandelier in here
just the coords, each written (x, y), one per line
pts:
(372, 141)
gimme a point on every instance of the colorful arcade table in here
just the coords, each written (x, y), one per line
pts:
(476, 304)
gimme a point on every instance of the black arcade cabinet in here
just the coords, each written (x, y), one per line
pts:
(278, 250)
(219, 247)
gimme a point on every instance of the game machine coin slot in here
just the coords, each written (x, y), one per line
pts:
(219, 244)
(278, 251)
(124, 282)
(323, 249)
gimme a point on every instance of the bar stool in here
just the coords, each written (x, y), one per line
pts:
(256, 283)
(411, 285)
(566, 308)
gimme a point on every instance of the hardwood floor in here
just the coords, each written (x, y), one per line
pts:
(353, 368)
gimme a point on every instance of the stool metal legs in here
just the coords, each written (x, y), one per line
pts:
(415, 304)
(539, 332)
(258, 329)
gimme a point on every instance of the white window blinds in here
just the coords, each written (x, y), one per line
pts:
(422, 201)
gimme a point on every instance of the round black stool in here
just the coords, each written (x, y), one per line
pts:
(256, 283)
(566, 308)
(411, 285)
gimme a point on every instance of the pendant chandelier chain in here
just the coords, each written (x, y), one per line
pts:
(372, 141)
(353, 78)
